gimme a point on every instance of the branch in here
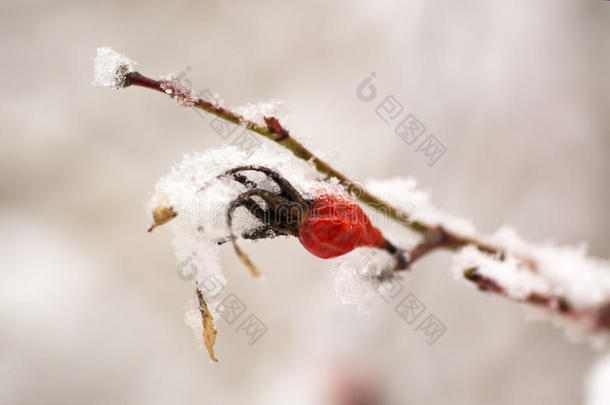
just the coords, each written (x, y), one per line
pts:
(594, 316)
(273, 131)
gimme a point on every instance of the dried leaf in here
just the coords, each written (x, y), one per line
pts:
(162, 215)
(209, 330)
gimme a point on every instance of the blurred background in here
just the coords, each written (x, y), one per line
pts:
(91, 307)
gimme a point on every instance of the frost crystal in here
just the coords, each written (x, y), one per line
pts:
(179, 91)
(110, 68)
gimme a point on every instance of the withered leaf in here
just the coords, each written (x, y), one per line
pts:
(209, 330)
(162, 215)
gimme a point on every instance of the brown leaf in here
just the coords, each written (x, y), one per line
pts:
(209, 330)
(162, 215)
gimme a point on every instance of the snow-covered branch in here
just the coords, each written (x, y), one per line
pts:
(562, 281)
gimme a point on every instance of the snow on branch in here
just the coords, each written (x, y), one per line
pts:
(564, 282)
(111, 68)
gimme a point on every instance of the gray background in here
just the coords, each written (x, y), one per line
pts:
(91, 306)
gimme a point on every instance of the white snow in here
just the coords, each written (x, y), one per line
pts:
(110, 68)
(201, 200)
(402, 192)
(583, 280)
(561, 271)
(565, 272)
(258, 111)
(183, 95)
(517, 280)
(359, 276)
(192, 318)
(598, 383)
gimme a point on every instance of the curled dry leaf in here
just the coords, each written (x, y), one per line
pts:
(162, 215)
(209, 330)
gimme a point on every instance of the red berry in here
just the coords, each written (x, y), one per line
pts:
(337, 225)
